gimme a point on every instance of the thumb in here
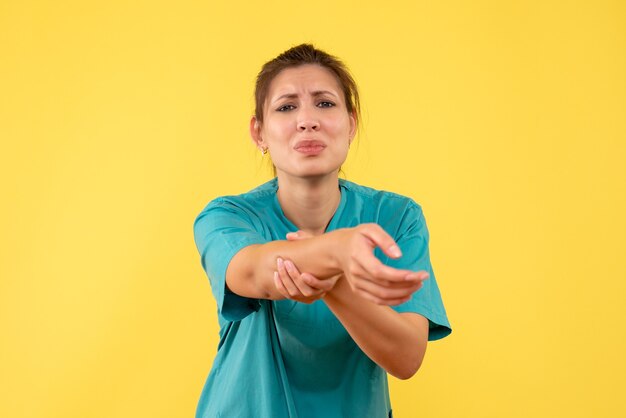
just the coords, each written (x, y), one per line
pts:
(382, 239)
(294, 236)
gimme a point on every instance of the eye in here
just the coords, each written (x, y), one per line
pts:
(325, 104)
(285, 108)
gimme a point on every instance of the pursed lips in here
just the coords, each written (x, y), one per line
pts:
(309, 145)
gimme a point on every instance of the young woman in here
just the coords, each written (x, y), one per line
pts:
(322, 285)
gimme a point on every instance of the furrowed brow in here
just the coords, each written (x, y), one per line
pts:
(316, 93)
(286, 96)
(323, 92)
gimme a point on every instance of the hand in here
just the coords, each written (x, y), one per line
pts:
(301, 287)
(367, 275)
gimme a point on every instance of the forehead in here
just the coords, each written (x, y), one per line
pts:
(303, 79)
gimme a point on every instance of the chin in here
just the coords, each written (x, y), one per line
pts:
(313, 172)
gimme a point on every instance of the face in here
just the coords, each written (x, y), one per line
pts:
(307, 128)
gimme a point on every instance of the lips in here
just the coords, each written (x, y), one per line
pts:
(310, 146)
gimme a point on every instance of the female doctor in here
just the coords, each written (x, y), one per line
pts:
(323, 286)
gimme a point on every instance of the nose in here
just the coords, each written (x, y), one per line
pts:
(307, 121)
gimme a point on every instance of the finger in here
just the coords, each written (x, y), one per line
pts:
(286, 280)
(404, 284)
(382, 239)
(375, 270)
(378, 301)
(294, 274)
(386, 293)
(294, 236)
(280, 287)
(409, 280)
(372, 268)
(317, 284)
(283, 290)
(418, 275)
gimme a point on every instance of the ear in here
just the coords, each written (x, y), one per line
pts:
(255, 132)
(353, 125)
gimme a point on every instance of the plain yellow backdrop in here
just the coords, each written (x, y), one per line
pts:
(120, 120)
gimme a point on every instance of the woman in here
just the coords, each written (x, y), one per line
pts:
(322, 285)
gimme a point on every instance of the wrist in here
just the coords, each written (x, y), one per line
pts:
(335, 246)
(340, 289)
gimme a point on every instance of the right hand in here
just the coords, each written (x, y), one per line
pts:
(367, 275)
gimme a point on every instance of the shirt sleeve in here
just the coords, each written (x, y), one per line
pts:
(221, 230)
(413, 238)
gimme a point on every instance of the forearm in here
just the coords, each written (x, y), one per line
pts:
(251, 271)
(390, 339)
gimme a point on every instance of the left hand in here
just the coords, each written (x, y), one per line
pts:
(301, 287)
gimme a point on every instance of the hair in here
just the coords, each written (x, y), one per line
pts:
(301, 55)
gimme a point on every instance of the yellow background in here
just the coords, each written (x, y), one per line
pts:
(120, 120)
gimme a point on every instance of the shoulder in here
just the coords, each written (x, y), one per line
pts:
(247, 200)
(383, 199)
(397, 214)
(244, 205)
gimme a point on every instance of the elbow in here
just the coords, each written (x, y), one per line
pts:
(406, 376)
(406, 373)
(407, 370)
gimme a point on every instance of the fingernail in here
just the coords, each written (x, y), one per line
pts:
(289, 265)
(394, 250)
(280, 262)
(413, 276)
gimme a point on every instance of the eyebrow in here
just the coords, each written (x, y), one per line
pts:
(314, 94)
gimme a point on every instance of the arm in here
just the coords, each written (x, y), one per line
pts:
(395, 341)
(251, 271)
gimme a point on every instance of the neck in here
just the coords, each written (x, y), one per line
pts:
(309, 203)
